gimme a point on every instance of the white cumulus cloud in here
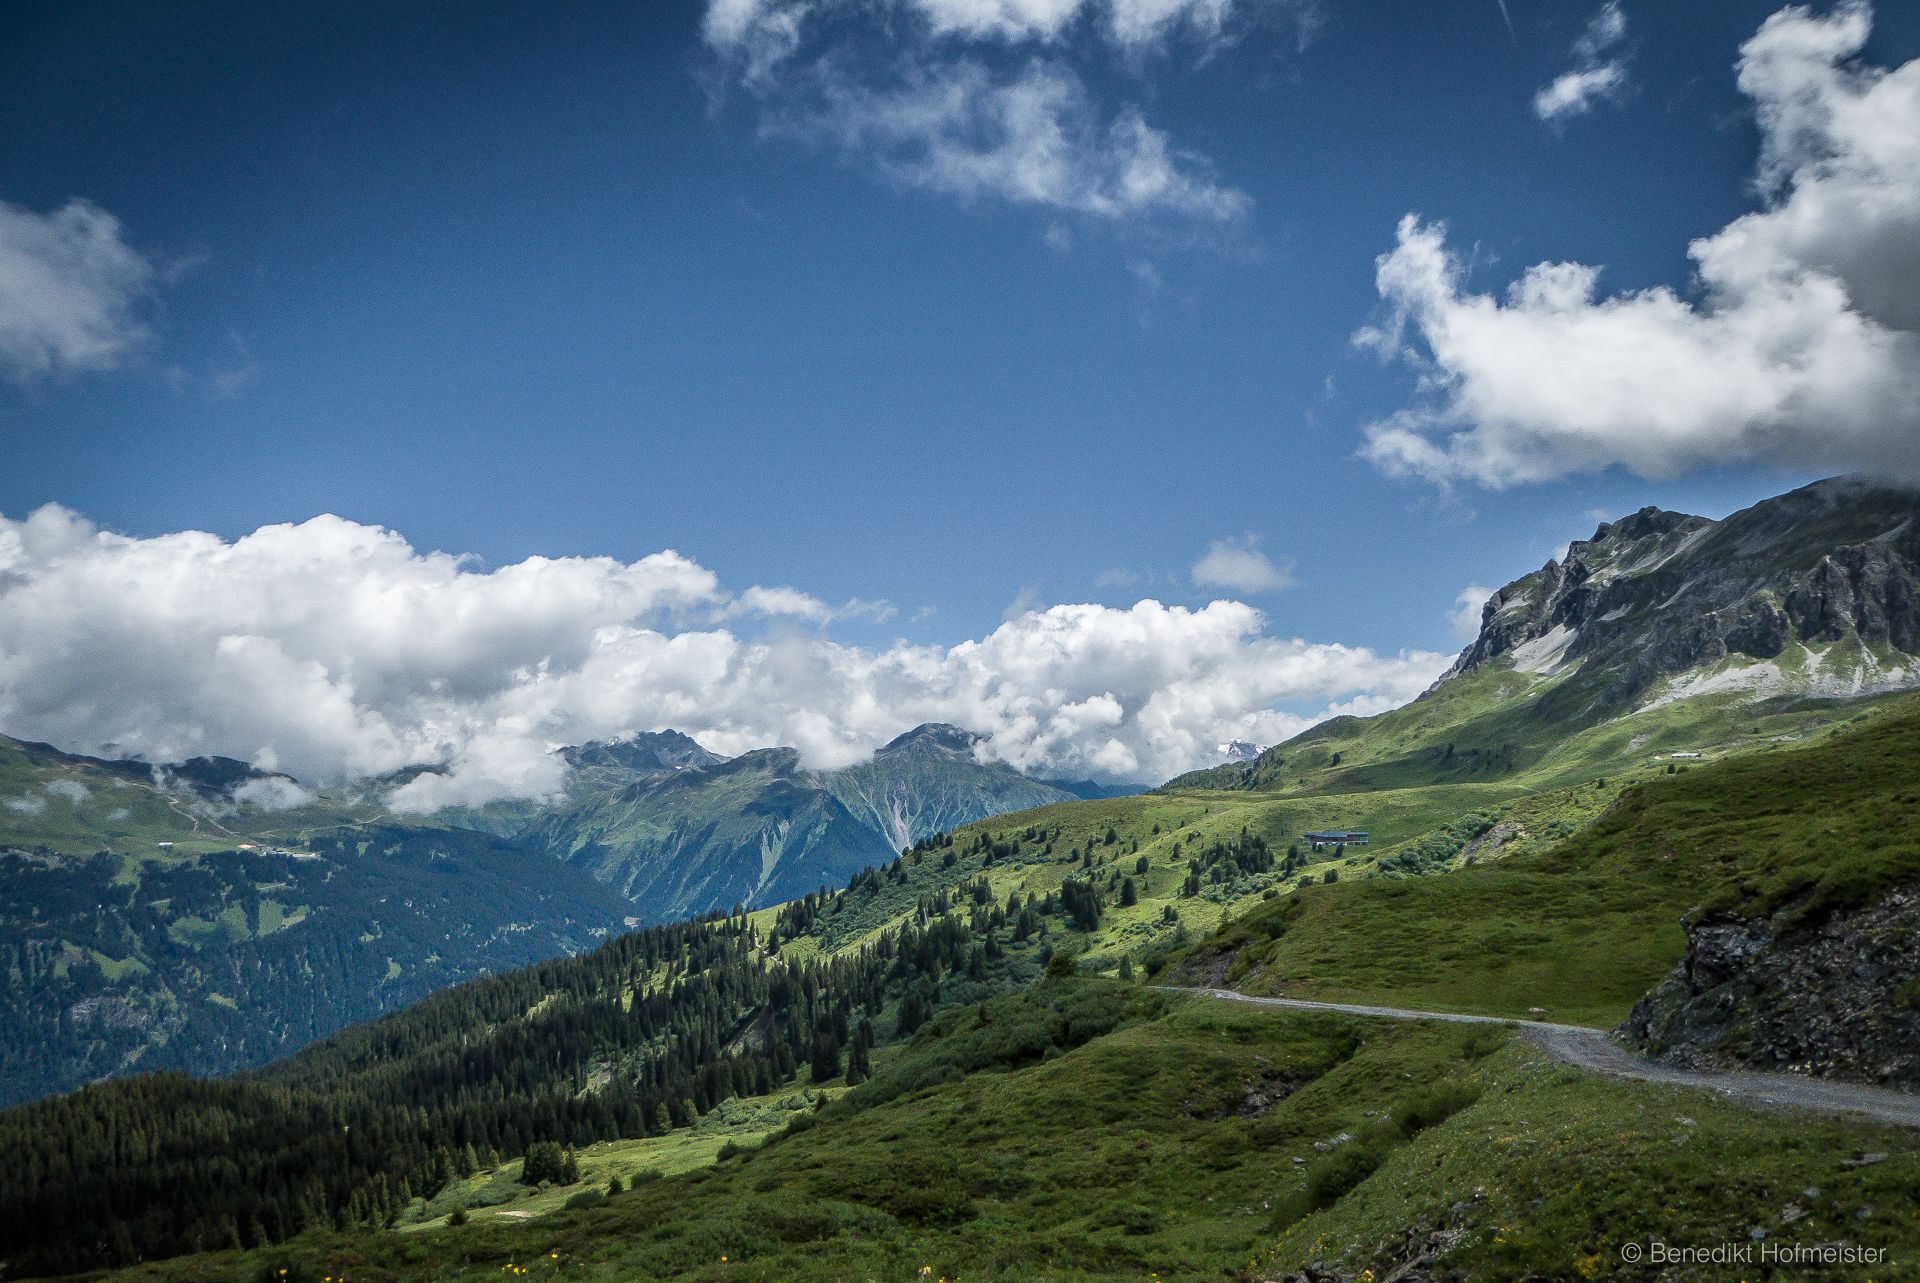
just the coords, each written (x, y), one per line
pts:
(70, 290)
(1238, 565)
(333, 650)
(1799, 346)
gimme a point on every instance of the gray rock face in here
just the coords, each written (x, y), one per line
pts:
(1658, 593)
(1841, 1000)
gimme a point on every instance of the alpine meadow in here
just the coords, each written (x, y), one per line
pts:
(811, 641)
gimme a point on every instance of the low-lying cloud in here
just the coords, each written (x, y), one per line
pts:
(1799, 346)
(333, 650)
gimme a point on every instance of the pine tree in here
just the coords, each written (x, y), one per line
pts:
(826, 1057)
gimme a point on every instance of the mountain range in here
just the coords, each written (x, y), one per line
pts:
(951, 1062)
(209, 915)
(679, 830)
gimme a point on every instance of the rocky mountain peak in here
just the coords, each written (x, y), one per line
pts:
(647, 752)
(1657, 593)
(934, 735)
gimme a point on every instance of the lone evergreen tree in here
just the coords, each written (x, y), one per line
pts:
(826, 1058)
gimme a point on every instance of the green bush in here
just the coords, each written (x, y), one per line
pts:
(546, 1161)
(1345, 1167)
(1433, 1105)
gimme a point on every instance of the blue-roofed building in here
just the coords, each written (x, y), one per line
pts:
(1336, 837)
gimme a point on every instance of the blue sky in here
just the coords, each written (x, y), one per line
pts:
(585, 280)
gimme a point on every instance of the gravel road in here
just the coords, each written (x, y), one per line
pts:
(1597, 1050)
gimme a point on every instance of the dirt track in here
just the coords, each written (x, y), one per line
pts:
(1596, 1050)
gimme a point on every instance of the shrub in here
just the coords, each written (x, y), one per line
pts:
(546, 1161)
(1329, 1179)
(1434, 1105)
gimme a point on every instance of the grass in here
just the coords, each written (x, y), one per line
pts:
(1192, 1140)
(1584, 928)
(498, 1193)
(1554, 1171)
(1499, 729)
(1565, 900)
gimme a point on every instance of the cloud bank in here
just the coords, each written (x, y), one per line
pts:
(333, 650)
(1799, 348)
(983, 100)
(70, 290)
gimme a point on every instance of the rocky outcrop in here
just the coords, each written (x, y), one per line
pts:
(1841, 999)
(1660, 593)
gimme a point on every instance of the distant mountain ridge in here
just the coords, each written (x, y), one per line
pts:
(672, 826)
(207, 915)
(147, 921)
(688, 832)
(644, 751)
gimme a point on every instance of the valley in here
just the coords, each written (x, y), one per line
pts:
(972, 1056)
(960, 641)
(209, 917)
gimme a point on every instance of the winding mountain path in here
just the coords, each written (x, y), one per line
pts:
(1596, 1050)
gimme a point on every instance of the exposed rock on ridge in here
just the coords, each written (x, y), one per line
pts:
(1840, 1000)
(1658, 593)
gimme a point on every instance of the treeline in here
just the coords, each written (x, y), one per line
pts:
(642, 1035)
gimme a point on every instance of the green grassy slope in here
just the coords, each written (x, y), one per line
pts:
(1083, 1129)
(1083, 1132)
(1493, 728)
(1584, 928)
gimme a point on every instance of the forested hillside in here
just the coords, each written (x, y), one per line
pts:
(223, 960)
(655, 1030)
(207, 916)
